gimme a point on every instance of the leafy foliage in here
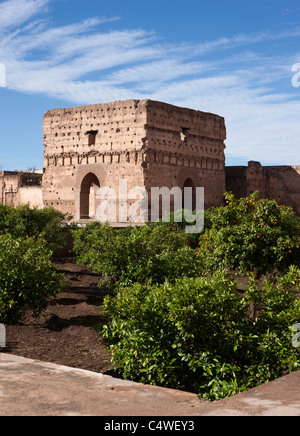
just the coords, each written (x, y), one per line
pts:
(138, 254)
(195, 334)
(27, 277)
(251, 235)
(178, 319)
(24, 222)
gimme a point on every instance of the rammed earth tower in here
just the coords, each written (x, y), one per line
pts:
(148, 143)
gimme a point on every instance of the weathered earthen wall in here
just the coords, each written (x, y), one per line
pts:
(21, 188)
(31, 195)
(105, 140)
(9, 186)
(281, 183)
(148, 143)
(185, 144)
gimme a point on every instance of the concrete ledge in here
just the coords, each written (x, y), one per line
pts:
(34, 388)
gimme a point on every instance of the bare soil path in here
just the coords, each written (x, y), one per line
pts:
(63, 334)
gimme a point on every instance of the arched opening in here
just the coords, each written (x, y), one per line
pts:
(189, 195)
(89, 186)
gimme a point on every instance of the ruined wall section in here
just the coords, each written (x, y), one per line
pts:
(17, 188)
(149, 143)
(183, 143)
(9, 187)
(281, 183)
(104, 139)
(236, 180)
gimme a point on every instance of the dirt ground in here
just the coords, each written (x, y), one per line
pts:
(63, 334)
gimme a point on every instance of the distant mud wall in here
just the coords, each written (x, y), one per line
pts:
(18, 188)
(281, 183)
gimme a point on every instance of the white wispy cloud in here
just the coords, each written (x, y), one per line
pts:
(81, 64)
(16, 12)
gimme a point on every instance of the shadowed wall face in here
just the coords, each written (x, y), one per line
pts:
(88, 191)
(281, 183)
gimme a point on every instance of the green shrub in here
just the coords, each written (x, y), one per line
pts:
(25, 222)
(138, 254)
(27, 277)
(179, 218)
(196, 334)
(251, 235)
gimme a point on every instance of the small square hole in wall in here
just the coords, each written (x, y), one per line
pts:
(184, 133)
(92, 136)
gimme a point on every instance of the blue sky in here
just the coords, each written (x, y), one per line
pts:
(233, 58)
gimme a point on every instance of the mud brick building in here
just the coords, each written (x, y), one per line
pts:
(149, 143)
(21, 188)
(281, 183)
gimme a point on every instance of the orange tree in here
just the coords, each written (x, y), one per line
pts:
(28, 278)
(251, 235)
(26, 222)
